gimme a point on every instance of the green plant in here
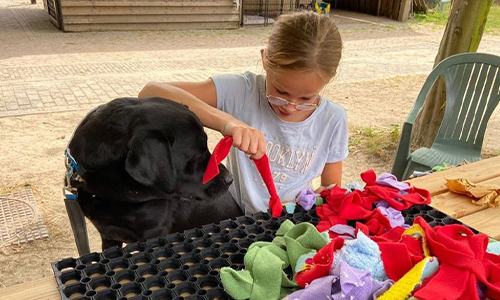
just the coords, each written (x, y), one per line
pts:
(434, 18)
(379, 142)
(493, 23)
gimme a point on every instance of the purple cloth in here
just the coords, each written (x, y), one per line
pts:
(345, 231)
(358, 284)
(349, 283)
(306, 199)
(481, 290)
(387, 179)
(321, 288)
(394, 216)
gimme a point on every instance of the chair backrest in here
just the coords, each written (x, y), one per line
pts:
(472, 93)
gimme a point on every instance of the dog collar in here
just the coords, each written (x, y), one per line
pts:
(73, 172)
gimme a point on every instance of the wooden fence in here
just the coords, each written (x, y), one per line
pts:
(393, 9)
(275, 7)
(89, 15)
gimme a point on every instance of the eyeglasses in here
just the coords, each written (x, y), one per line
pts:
(298, 106)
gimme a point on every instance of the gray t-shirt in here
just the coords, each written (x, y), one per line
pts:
(297, 151)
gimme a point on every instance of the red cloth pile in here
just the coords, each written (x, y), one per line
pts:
(358, 205)
(462, 254)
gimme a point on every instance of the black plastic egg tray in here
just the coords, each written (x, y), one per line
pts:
(432, 216)
(183, 266)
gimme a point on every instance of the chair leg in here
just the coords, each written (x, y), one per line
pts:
(78, 225)
(413, 166)
(398, 170)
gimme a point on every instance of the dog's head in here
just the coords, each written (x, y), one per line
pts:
(144, 148)
(174, 157)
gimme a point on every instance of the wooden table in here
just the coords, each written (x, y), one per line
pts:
(460, 207)
(482, 218)
(40, 289)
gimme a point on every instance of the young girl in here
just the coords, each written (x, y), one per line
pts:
(281, 114)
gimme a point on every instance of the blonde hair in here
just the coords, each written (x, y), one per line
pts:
(304, 41)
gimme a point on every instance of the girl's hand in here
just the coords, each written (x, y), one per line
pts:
(246, 138)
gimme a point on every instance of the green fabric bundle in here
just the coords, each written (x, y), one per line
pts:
(264, 276)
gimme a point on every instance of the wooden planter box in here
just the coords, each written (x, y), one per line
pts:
(90, 15)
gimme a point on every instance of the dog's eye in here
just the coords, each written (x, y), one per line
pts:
(190, 167)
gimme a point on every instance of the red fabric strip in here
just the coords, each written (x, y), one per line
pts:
(222, 150)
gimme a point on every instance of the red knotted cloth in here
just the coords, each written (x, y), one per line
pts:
(222, 150)
(463, 261)
(319, 265)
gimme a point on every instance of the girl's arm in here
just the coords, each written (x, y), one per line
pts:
(332, 174)
(201, 99)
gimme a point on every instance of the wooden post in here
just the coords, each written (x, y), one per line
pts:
(404, 10)
(396, 6)
(33, 1)
(242, 16)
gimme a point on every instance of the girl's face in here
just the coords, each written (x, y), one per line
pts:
(298, 87)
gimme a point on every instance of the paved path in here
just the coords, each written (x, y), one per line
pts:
(45, 70)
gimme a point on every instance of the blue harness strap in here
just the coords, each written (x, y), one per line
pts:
(73, 172)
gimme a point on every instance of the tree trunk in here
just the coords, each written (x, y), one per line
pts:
(463, 33)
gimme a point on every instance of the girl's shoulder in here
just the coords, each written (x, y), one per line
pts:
(248, 80)
(254, 80)
(331, 108)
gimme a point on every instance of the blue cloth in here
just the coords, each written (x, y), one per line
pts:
(361, 253)
(494, 248)
(354, 186)
(302, 260)
(420, 174)
(290, 207)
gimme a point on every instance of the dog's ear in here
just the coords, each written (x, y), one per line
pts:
(149, 160)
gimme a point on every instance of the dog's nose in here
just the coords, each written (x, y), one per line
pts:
(228, 178)
(226, 175)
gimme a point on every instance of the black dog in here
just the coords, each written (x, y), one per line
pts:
(141, 164)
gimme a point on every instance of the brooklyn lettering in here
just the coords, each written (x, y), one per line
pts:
(295, 160)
